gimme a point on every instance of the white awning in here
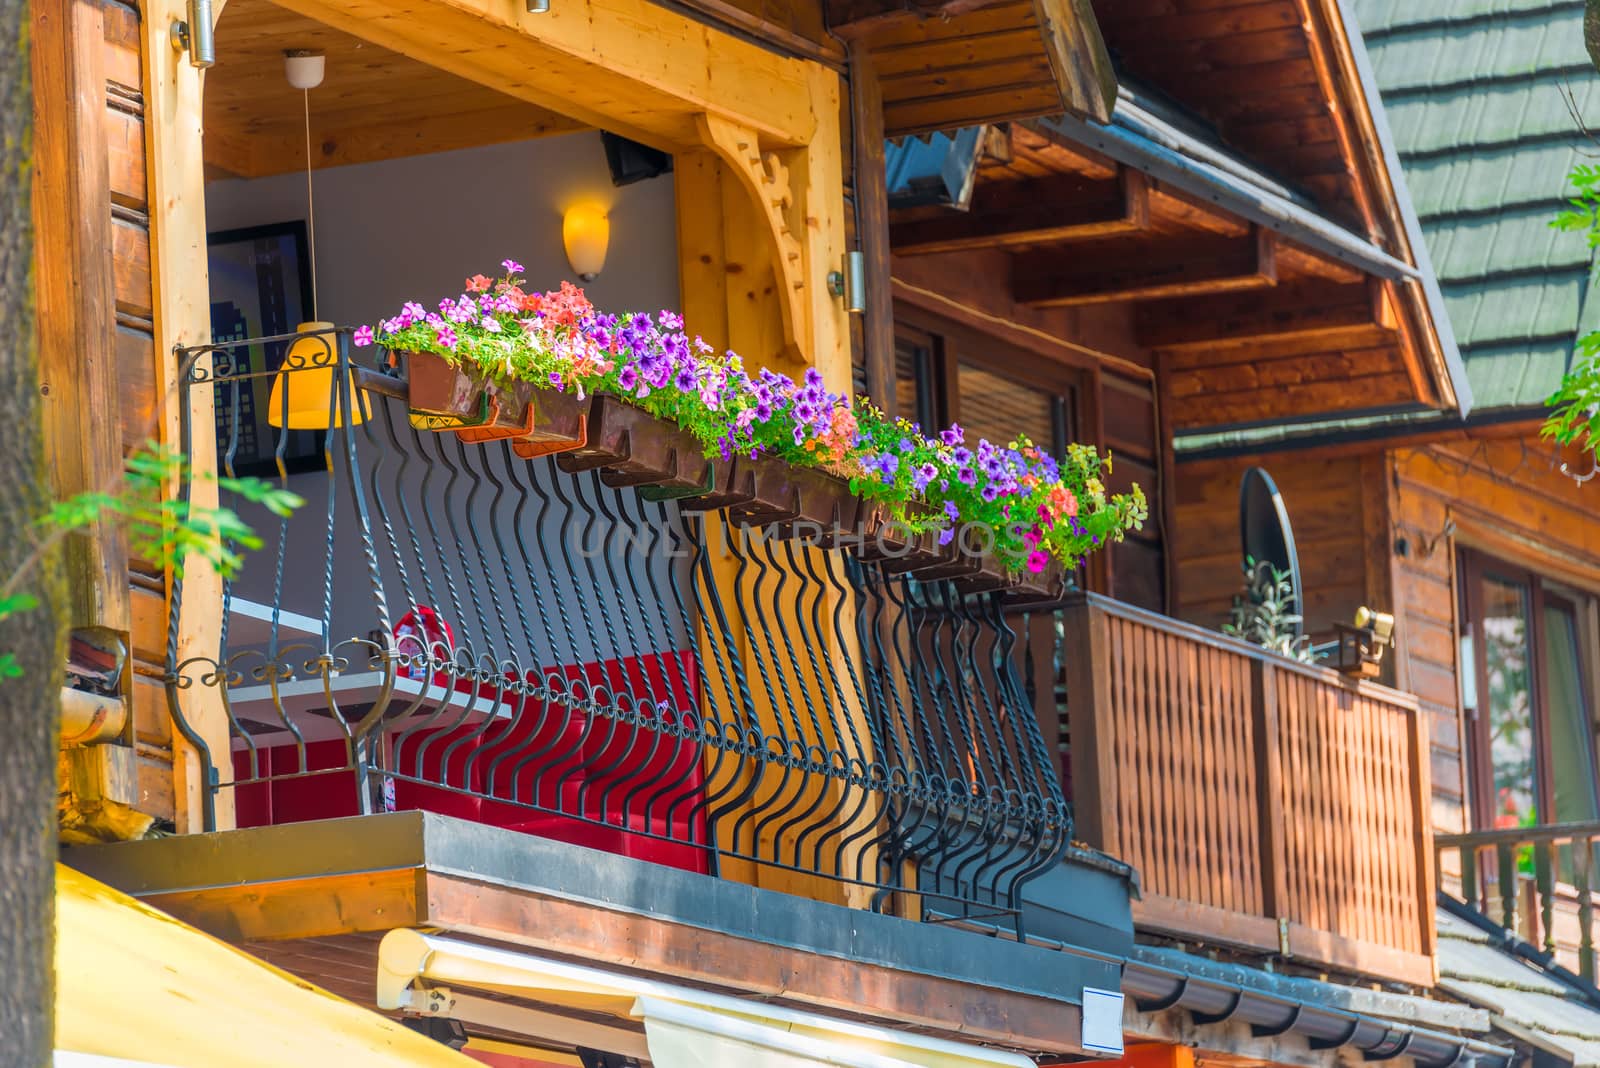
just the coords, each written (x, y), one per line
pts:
(683, 1027)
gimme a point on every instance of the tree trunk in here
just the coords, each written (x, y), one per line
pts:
(29, 706)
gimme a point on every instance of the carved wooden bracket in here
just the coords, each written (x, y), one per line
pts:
(765, 176)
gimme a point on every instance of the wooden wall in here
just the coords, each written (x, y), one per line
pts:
(1503, 496)
(1383, 527)
(97, 349)
(1327, 509)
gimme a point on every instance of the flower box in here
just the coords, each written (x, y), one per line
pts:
(631, 447)
(559, 423)
(770, 493)
(440, 388)
(887, 540)
(1038, 587)
(723, 487)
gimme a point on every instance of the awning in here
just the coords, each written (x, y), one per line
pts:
(682, 1027)
(136, 987)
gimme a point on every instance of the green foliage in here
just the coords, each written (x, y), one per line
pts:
(161, 528)
(1575, 419)
(1264, 614)
(164, 529)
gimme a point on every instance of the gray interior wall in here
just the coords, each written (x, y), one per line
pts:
(413, 229)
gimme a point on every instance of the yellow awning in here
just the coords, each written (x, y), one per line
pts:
(137, 985)
(683, 1027)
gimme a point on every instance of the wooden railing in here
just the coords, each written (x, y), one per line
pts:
(1538, 883)
(1266, 803)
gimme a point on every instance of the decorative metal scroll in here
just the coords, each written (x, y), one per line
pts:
(446, 626)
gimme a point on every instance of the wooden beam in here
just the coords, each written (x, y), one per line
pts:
(256, 153)
(600, 61)
(1049, 279)
(854, 19)
(872, 233)
(1334, 314)
(1043, 211)
(1078, 55)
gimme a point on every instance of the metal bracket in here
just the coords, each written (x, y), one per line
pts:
(1204, 1018)
(1335, 1043)
(1398, 1051)
(1162, 1004)
(1263, 1031)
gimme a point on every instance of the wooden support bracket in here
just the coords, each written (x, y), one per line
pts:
(765, 176)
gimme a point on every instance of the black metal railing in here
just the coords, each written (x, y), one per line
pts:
(449, 626)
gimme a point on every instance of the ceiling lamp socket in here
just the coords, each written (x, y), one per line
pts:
(304, 67)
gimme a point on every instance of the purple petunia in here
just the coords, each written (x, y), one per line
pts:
(511, 266)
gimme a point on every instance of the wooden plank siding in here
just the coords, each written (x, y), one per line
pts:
(98, 324)
(1266, 804)
(1326, 508)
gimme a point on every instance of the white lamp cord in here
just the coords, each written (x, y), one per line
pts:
(311, 211)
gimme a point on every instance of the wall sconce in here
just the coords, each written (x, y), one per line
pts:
(586, 231)
(196, 35)
(538, 7)
(850, 284)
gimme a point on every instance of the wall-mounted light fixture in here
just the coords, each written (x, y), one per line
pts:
(586, 232)
(538, 7)
(851, 283)
(195, 35)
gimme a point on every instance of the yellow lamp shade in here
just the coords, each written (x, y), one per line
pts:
(307, 377)
(586, 231)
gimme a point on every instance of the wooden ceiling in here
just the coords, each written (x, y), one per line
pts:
(1248, 324)
(373, 103)
(944, 64)
(1265, 73)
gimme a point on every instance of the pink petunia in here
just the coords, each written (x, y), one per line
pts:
(511, 266)
(1037, 560)
(363, 336)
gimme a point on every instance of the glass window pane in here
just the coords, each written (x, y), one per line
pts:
(1509, 701)
(999, 408)
(913, 385)
(1571, 752)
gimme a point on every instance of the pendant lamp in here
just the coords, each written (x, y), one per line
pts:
(303, 391)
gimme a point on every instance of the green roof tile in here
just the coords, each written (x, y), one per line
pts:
(1473, 90)
(1473, 247)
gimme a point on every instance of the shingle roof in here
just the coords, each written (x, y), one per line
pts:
(1524, 1001)
(1473, 91)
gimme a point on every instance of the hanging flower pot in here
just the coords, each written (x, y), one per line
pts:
(440, 388)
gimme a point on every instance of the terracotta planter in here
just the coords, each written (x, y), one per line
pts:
(437, 387)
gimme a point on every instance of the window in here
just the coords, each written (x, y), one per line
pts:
(1527, 689)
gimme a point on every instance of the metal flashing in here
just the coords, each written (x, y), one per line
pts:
(447, 846)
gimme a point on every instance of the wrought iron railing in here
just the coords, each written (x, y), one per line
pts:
(449, 626)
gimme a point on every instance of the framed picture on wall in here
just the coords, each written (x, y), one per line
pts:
(260, 286)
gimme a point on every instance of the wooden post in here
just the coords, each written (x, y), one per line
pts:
(1421, 770)
(180, 281)
(872, 232)
(1092, 723)
(1269, 789)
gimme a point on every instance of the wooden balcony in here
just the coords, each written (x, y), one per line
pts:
(1267, 804)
